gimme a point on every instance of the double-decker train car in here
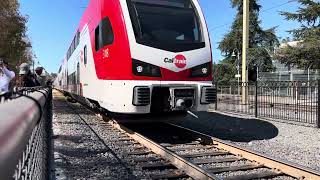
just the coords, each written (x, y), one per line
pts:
(140, 57)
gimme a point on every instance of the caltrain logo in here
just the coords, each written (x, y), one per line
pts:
(180, 61)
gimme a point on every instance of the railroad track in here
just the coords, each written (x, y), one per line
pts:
(167, 151)
(133, 155)
(204, 157)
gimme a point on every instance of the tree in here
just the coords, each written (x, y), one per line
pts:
(223, 72)
(261, 41)
(14, 44)
(306, 52)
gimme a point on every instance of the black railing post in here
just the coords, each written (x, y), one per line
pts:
(49, 130)
(216, 105)
(318, 105)
(256, 99)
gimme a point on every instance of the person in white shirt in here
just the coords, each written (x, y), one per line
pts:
(5, 77)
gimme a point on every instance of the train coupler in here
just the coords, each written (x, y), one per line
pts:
(182, 98)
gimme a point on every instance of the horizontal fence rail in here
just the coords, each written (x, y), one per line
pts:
(25, 120)
(288, 101)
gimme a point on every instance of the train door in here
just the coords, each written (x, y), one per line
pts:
(67, 79)
(78, 87)
(85, 72)
(104, 38)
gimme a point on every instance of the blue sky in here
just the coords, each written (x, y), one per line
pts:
(52, 24)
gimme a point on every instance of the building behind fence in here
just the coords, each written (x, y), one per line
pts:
(295, 101)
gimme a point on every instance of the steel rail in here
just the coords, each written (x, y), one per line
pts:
(288, 168)
(18, 118)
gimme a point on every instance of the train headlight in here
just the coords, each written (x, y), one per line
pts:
(203, 70)
(140, 68)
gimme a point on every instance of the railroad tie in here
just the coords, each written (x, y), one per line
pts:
(234, 168)
(215, 153)
(127, 143)
(157, 165)
(215, 160)
(123, 139)
(170, 145)
(170, 175)
(139, 152)
(190, 148)
(269, 174)
(146, 159)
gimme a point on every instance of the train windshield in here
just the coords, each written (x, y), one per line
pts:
(166, 24)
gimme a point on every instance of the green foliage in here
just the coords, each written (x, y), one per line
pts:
(306, 53)
(14, 44)
(261, 41)
(223, 72)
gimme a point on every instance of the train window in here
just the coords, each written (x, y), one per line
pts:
(103, 34)
(72, 79)
(73, 44)
(78, 38)
(69, 52)
(67, 77)
(85, 54)
(71, 47)
(178, 24)
(174, 3)
(78, 73)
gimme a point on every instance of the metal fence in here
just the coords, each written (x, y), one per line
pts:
(293, 75)
(25, 121)
(289, 101)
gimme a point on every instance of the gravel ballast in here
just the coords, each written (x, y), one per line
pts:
(293, 143)
(78, 153)
(87, 147)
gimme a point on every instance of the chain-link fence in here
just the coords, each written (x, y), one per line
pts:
(289, 101)
(25, 127)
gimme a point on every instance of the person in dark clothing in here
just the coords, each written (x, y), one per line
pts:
(39, 76)
(25, 76)
(27, 80)
(49, 83)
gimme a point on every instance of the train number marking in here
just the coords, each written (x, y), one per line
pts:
(106, 53)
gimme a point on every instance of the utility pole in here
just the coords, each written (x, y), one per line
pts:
(245, 46)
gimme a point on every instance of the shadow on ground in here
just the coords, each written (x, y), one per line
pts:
(230, 128)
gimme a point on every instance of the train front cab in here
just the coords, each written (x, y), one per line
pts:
(170, 58)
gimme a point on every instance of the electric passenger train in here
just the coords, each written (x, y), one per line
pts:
(140, 57)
